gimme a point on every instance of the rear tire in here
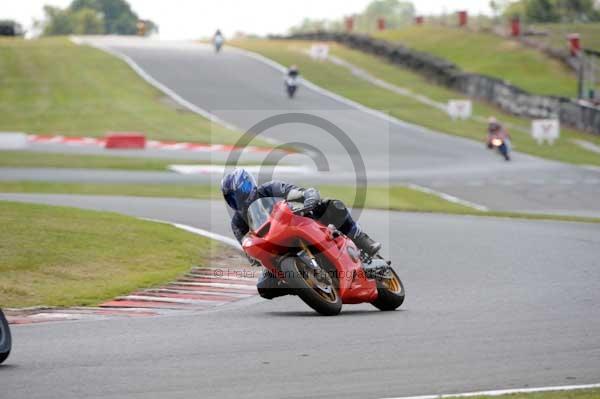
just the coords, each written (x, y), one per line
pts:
(310, 295)
(5, 338)
(390, 293)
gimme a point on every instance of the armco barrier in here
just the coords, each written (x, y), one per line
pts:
(125, 140)
(13, 141)
(506, 96)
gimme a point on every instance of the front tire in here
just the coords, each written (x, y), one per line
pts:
(5, 338)
(390, 293)
(323, 298)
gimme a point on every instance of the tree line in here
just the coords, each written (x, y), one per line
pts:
(398, 13)
(541, 11)
(93, 17)
(395, 12)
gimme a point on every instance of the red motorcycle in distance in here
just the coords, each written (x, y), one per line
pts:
(316, 262)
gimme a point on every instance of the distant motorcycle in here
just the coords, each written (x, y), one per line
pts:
(5, 338)
(291, 85)
(218, 43)
(501, 145)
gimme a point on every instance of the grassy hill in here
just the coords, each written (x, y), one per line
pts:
(492, 55)
(557, 34)
(340, 80)
(51, 86)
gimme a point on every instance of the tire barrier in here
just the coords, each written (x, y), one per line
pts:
(508, 97)
(125, 140)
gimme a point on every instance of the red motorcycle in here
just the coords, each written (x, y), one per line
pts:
(316, 262)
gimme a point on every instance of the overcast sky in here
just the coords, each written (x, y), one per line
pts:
(186, 19)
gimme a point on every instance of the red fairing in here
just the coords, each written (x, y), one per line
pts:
(285, 229)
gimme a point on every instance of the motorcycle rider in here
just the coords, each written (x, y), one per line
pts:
(496, 130)
(293, 72)
(291, 79)
(218, 40)
(240, 189)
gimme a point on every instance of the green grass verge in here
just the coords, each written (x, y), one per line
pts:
(52, 86)
(60, 256)
(557, 34)
(196, 191)
(492, 55)
(575, 394)
(341, 81)
(397, 198)
(30, 159)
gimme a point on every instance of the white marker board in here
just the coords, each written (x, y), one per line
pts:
(545, 130)
(460, 109)
(319, 51)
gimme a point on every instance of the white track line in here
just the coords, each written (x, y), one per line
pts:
(369, 111)
(187, 169)
(178, 99)
(502, 392)
(448, 197)
(201, 232)
(225, 240)
(281, 69)
(379, 114)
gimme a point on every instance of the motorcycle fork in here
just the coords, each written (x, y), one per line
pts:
(307, 257)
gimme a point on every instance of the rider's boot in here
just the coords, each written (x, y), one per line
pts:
(270, 287)
(366, 243)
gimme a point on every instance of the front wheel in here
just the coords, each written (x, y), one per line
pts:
(390, 292)
(5, 338)
(316, 289)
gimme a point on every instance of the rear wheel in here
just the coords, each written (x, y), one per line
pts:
(390, 292)
(316, 288)
(5, 338)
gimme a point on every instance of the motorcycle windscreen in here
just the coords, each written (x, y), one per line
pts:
(259, 212)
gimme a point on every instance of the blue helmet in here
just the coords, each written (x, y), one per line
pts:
(239, 189)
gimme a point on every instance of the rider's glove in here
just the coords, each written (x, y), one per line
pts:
(311, 199)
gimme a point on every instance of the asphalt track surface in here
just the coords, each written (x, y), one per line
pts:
(491, 303)
(244, 91)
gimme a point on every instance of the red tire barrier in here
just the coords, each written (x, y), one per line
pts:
(574, 44)
(125, 140)
(515, 27)
(463, 18)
